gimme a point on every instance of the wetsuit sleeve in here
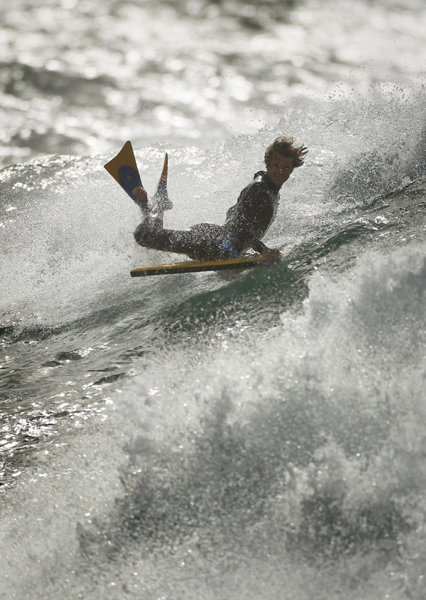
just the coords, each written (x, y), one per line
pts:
(250, 206)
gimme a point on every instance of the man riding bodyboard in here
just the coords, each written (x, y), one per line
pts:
(246, 222)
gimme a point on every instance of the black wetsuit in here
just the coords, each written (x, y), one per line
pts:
(246, 223)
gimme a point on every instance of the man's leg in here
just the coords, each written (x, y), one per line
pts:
(154, 219)
(151, 235)
(194, 242)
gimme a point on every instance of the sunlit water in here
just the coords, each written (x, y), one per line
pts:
(254, 435)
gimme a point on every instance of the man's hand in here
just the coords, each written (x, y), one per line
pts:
(272, 254)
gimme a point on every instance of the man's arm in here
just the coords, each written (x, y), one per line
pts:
(272, 253)
(261, 248)
(250, 204)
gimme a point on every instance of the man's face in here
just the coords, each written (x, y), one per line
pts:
(279, 169)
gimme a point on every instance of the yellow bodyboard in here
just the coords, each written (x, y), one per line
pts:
(243, 262)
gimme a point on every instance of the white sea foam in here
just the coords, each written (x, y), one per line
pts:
(296, 458)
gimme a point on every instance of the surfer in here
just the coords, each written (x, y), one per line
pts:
(246, 222)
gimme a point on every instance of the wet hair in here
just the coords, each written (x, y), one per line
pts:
(285, 147)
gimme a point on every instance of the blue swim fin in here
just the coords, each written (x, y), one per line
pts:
(129, 178)
(124, 169)
(160, 200)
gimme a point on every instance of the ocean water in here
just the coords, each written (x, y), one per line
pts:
(252, 435)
